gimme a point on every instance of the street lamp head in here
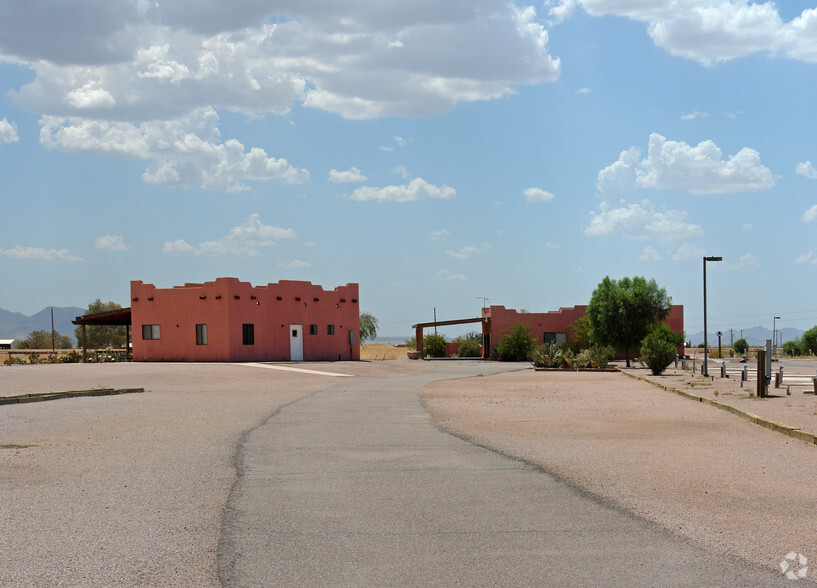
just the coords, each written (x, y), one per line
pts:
(777, 317)
(713, 258)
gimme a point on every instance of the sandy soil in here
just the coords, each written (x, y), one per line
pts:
(718, 480)
(381, 351)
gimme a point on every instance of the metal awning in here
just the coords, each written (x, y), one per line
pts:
(112, 318)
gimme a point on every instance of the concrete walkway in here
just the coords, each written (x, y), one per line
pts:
(355, 486)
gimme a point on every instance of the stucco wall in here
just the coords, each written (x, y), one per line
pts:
(226, 304)
(558, 321)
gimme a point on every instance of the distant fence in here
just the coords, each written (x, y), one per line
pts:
(28, 356)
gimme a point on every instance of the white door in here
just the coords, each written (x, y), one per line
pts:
(296, 343)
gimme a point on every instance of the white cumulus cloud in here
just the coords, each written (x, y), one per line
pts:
(710, 32)
(806, 169)
(675, 165)
(8, 132)
(111, 243)
(243, 240)
(687, 251)
(38, 253)
(465, 252)
(417, 189)
(361, 59)
(810, 215)
(538, 195)
(351, 175)
(650, 254)
(641, 220)
(186, 152)
(451, 276)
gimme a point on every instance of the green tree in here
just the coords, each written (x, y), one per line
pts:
(42, 340)
(808, 342)
(621, 312)
(516, 344)
(740, 346)
(101, 336)
(580, 334)
(368, 327)
(434, 345)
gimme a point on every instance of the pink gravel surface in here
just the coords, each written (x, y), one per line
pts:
(722, 482)
(130, 490)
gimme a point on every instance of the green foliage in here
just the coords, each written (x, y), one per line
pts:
(368, 327)
(621, 312)
(469, 348)
(434, 346)
(740, 346)
(551, 355)
(808, 342)
(71, 357)
(99, 336)
(42, 340)
(472, 336)
(411, 343)
(792, 348)
(516, 344)
(658, 350)
(580, 334)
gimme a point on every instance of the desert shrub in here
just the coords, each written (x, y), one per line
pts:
(600, 355)
(740, 346)
(11, 360)
(583, 359)
(434, 346)
(515, 345)
(411, 343)
(71, 357)
(656, 352)
(792, 348)
(469, 348)
(543, 355)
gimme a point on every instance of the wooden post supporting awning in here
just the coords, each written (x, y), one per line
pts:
(418, 328)
(115, 318)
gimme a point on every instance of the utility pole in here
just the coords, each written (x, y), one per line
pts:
(53, 336)
(731, 338)
(435, 320)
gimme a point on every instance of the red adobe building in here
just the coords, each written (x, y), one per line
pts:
(234, 321)
(552, 326)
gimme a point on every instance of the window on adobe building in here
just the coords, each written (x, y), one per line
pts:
(150, 332)
(248, 334)
(330, 329)
(313, 329)
(201, 334)
(558, 338)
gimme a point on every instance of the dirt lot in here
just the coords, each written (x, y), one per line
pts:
(724, 483)
(381, 351)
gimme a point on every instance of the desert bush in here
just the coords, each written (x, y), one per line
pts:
(11, 360)
(656, 352)
(411, 343)
(583, 359)
(792, 348)
(434, 346)
(515, 345)
(740, 346)
(468, 348)
(543, 355)
(600, 355)
(71, 357)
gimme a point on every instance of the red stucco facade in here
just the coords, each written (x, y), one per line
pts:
(230, 320)
(555, 323)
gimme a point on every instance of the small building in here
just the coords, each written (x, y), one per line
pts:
(233, 321)
(554, 326)
(6, 343)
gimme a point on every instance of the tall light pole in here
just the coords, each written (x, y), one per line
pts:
(774, 334)
(705, 370)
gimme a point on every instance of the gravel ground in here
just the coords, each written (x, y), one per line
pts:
(131, 489)
(722, 482)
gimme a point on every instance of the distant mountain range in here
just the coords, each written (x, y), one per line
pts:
(754, 336)
(14, 325)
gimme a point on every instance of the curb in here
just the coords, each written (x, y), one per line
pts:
(42, 397)
(793, 432)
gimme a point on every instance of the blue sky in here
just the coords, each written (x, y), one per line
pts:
(434, 152)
